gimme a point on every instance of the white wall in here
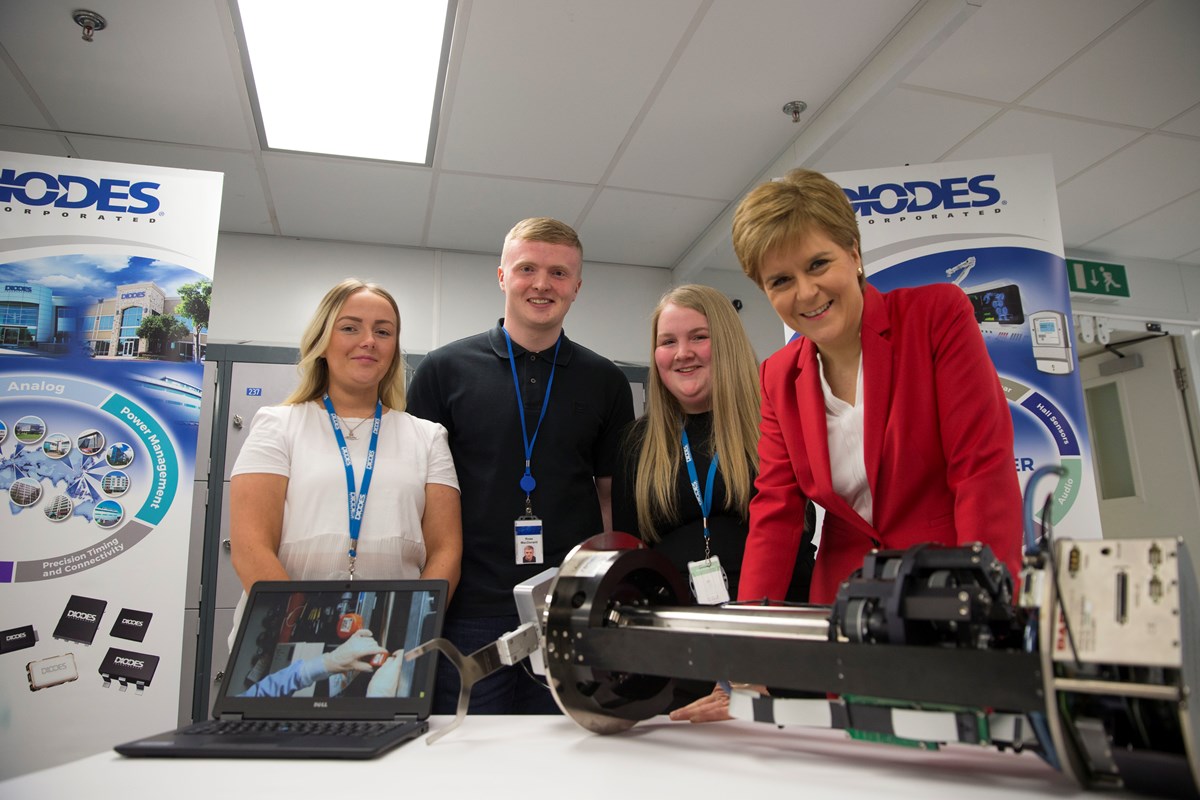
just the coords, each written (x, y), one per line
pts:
(266, 288)
(758, 318)
(1159, 290)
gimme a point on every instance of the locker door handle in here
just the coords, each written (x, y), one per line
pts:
(237, 421)
(228, 545)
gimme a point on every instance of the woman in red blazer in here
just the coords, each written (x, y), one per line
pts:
(886, 411)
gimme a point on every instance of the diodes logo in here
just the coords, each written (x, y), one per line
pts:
(916, 197)
(77, 192)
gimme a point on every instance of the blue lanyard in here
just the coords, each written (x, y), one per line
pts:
(705, 501)
(527, 482)
(356, 501)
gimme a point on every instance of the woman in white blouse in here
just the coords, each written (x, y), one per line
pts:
(296, 494)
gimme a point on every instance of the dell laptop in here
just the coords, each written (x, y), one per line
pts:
(318, 671)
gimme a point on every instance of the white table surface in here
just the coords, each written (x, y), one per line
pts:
(551, 757)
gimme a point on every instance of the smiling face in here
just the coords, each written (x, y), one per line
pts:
(540, 280)
(813, 284)
(683, 357)
(362, 344)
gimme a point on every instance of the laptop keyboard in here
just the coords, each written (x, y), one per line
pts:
(362, 730)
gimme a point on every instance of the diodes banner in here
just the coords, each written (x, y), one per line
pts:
(105, 279)
(992, 228)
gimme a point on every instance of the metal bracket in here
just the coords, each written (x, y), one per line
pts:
(505, 651)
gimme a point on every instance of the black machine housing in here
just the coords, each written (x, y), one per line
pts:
(619, 629)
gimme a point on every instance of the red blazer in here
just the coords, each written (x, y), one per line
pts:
(938, 446)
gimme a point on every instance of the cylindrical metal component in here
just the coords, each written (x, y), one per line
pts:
(1116, 689)
(808, 623)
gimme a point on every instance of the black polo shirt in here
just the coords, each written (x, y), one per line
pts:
(467, 386)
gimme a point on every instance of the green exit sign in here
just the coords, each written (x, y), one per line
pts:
(1096, 277)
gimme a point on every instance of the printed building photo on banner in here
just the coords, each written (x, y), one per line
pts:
(103, 307)
(105, 284)
(992, 229)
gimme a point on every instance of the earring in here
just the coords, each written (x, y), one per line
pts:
(860, 272)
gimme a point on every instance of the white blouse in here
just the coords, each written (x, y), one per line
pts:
(847, 464)
(297, 442)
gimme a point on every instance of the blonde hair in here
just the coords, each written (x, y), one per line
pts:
(735, 412)
(312, 366)
(783, 211)
(544, 229)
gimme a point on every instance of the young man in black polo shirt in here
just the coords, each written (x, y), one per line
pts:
(537, 478)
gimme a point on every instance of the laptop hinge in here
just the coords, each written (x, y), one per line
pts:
(231, 717)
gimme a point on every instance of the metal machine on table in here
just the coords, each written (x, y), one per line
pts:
(1091, 667)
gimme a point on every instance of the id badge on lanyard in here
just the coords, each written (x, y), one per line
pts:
(527, 528)
(356, 499)
(708, 581)
(528, 531)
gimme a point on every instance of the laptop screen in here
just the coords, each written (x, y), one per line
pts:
(334, 650)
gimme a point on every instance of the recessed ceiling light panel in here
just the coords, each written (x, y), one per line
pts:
(361, 78)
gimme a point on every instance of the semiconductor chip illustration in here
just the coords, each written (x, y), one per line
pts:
(53, 671)
(80, 619)
(131, 624)
(15, 639)
(128, 669)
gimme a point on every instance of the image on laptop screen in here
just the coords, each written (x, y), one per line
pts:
(301, 643)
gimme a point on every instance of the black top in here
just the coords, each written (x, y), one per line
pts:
(467, 386)
(681, 539)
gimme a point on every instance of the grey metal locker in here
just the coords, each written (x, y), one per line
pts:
(246, 377)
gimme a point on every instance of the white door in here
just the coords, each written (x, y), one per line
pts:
(1142, 448)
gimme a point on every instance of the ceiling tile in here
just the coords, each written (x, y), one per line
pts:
(1005, 48)
(643, 229)
(558, 106)
(1188, 123)
(897, 130)
(719, 117)
(1143, 73)
(348, 200)
(1143, 177)
(648, 116)
(472, 212)
(243, 205)
(1170, 233)
(15, 106)
(717, 257)
(16, 140)
(160, 71)
(1074, 145)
